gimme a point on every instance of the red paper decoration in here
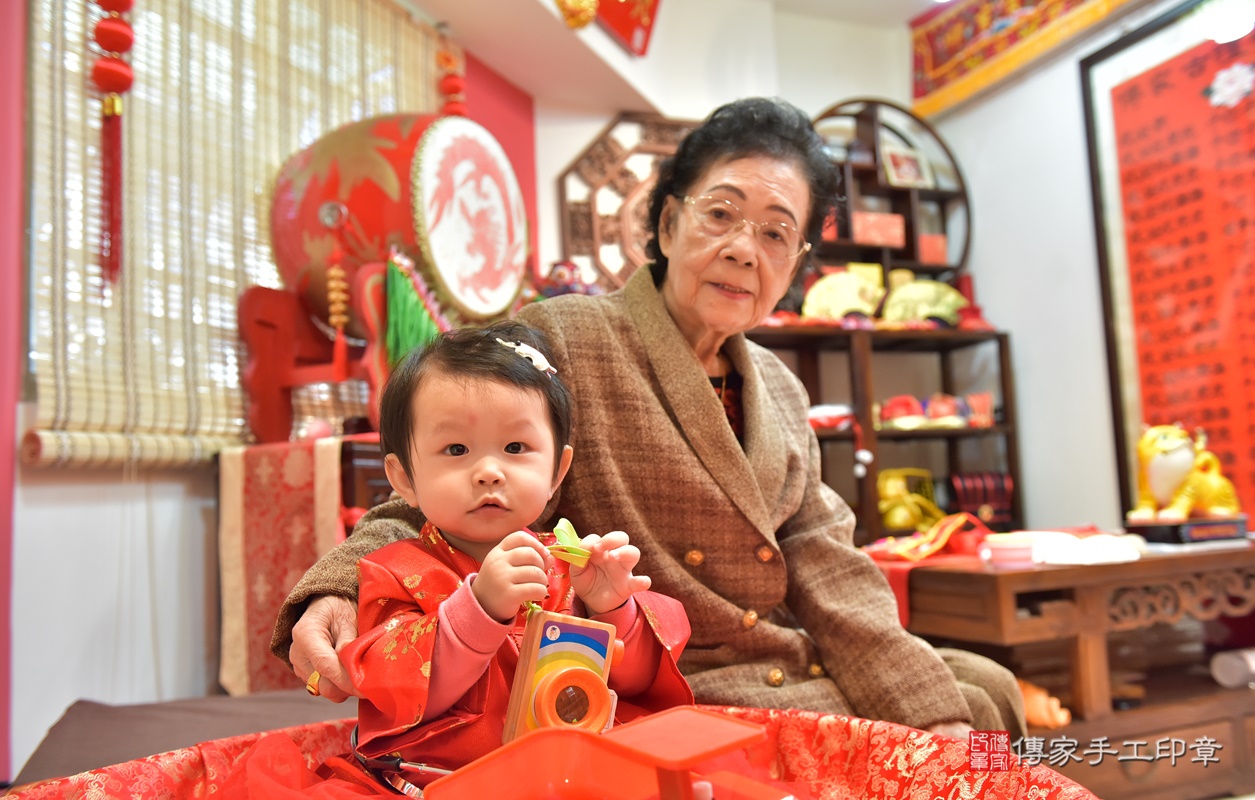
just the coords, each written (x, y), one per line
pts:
(630, 21)
(113, 77)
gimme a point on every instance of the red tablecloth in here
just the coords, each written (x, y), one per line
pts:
(820, 756)
(279, 510)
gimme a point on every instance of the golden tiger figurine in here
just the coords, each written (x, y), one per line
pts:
(1179, 477)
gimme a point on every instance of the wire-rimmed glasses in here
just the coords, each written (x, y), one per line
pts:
(717, 218)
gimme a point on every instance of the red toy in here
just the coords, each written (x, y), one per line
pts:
(647, 758)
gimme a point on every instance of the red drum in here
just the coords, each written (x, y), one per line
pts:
(438, 189)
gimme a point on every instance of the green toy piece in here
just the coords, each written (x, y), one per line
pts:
(568, 547)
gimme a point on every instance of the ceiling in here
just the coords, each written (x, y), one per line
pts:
(527, 43)
(885, 13)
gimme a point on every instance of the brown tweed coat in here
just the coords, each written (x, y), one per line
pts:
(738, 534)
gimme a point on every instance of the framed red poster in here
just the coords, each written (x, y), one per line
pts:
(1170, 112)
(630, 22)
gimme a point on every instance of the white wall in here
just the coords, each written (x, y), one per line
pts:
(696, 62)
(1034, 264)
(697, 59)
(823, 62)
(114, 593)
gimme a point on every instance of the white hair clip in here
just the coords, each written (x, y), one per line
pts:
(531, 354)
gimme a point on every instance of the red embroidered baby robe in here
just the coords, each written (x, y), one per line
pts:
(400, 588)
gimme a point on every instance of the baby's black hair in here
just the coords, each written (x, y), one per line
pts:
(471, 354)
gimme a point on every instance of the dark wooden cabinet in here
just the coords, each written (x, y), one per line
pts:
(863, 348)
(363, 481)
(896, 170)
(894, 163)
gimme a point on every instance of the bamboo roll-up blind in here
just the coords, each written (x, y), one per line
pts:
(146, 372)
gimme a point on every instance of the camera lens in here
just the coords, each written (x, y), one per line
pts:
(571, 704)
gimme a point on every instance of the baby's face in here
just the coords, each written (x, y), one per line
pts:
(482, 459)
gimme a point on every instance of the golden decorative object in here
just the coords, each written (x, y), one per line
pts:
(337, 297)
(841, 293)
(1178, 478)
(577, 13)
(906, 499)
(924, 299)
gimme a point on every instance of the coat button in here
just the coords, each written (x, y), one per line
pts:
(775, 677)
(765, 553)
(694, 558)
(750, 618)
(816, 670)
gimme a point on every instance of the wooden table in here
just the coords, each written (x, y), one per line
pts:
(969, 601)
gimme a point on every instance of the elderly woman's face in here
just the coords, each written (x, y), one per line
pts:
(722, 285)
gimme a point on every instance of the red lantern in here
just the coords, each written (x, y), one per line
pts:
(114, 35)
(112, 75)
(452, 84)
(115, 6)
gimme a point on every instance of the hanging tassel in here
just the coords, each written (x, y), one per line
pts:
(111, 190)
(414, 315)
(340, 357)
(112, 77)
(338, 316)
(452, 84)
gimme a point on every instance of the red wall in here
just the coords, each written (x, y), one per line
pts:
(13, 110)
(509, 115)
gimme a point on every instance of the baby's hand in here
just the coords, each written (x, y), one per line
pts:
(607, 582)
(513, 573)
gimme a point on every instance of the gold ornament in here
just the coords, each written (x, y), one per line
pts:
(337, 297)
(577, 13)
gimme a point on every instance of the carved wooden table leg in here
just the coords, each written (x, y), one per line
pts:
(1091, 687)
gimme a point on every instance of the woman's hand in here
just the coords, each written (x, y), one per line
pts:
(955, 730)
(329, 623)
(607, 581)
(513, 573)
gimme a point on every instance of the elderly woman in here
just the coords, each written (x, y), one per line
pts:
(695, 441)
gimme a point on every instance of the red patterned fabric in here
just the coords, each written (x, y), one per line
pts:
(833, 757)
(192, 772)
(401, 586)
(817, 756)
(280, 509)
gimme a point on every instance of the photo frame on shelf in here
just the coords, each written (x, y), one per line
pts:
(1172, 166)
(905, 167)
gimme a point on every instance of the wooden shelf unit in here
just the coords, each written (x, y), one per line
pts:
(808, 342)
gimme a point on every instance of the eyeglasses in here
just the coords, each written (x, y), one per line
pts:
(717, 218)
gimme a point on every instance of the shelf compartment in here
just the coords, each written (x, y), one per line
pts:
(890, 434)
(823, 337)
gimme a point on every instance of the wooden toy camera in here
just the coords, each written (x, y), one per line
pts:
(564, 665)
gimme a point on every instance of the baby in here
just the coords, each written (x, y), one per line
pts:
(475, 429)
